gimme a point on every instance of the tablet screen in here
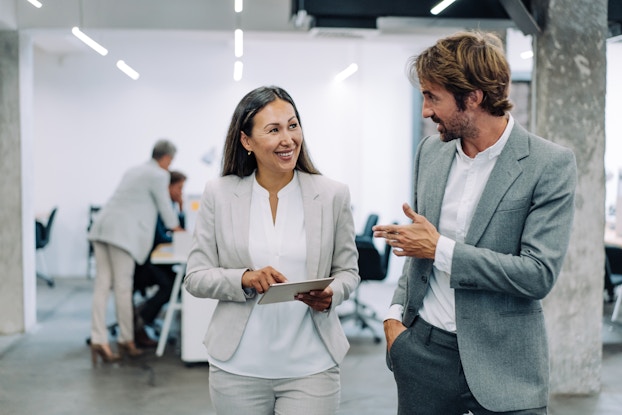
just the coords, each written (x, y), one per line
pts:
(286, 291)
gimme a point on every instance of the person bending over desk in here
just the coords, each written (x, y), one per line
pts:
(272, 218)
(148, 274)
(122, 235)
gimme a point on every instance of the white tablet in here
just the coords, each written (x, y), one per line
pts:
(286, 291)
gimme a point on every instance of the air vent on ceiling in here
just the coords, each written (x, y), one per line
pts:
(342, 33)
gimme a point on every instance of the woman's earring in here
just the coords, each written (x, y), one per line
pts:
(249, 152)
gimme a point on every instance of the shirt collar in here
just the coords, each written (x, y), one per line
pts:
(289, 187)
(494, 150)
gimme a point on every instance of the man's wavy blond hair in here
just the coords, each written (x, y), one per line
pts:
(463, 63)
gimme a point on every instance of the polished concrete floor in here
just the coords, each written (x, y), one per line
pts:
(48, 371)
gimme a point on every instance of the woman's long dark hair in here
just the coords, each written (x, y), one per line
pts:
(236, 159)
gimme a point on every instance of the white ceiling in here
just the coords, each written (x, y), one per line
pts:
(50, 26)
(269, 15)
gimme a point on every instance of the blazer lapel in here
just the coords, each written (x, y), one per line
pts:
(506, 171)
(240, 217)
(312, 205)
(436, 172)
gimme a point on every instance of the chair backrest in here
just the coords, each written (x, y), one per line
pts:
(614, 259)
(372, 220)
(372, 265)
(42, 232)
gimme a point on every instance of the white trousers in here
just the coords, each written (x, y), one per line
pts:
(311, 395)
(115, 269)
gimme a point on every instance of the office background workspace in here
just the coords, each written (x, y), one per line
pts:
(91, 122)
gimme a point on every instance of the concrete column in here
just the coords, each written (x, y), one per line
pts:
(17, 256)
(569, 87)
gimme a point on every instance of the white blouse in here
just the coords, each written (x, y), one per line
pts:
(280, 340)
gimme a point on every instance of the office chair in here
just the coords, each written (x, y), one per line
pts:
(42, 238)
(373, 266)
(613, 277)
(372, 220)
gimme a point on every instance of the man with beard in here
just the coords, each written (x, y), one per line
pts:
(491, 220)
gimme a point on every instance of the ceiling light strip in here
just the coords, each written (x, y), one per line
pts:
(238, 67)
(239, 43)
(89, 42)
(128, 70)
(441, 6)
(35, 3)
(238, 47)
(346, 73)
(528, 54)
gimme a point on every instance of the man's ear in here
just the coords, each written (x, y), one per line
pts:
(475, 98)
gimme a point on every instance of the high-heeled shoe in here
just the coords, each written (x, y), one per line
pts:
(103, 351)
(129, 349)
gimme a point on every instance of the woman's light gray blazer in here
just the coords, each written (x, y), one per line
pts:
(220, 255)
(128, 220)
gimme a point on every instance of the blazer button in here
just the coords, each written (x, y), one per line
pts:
(424, 279)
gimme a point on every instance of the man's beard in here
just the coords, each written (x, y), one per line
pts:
(459, 126)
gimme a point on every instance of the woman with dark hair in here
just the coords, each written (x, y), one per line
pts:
(269, 219)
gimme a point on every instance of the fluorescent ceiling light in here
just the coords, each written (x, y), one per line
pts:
(346, 72)
(35, 3)
(239, 43)
(238, 6)
(238, 66)
(441, 6)
(129, 71)
(528, 54)
(90, 42)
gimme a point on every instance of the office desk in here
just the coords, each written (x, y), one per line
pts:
(196, 313)
(164, 255)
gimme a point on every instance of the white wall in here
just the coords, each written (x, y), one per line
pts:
(93, 122)
(613, 127)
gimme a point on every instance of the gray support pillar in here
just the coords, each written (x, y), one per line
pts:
(17, 257)
(570, 84)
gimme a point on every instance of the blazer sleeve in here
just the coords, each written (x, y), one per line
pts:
(162, 199)
(211, 272)
(344, 265)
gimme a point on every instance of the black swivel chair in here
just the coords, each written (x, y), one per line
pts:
(613, 276)
(42, 238)
(373, 266)
(372, 220)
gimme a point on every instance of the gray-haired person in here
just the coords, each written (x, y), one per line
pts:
(122, 235)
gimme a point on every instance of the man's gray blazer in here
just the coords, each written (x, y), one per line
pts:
(220, 255)
(511, 257)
